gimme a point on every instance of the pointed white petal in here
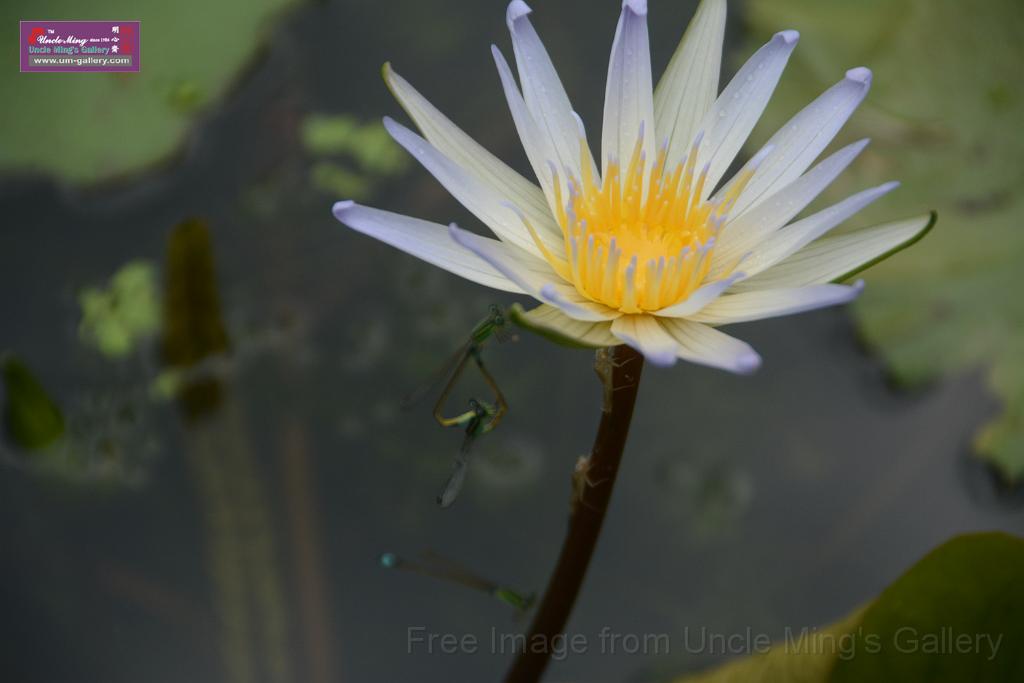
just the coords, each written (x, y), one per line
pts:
(542, 89)
(644, 334)
(537, 145)
(689, 85)
(534, 276)
(455, 144)
(551, 321)
(629, 98)
(424, 240)
(731, 118)
(794, 237)
(804, 137)
(834, 259)
(482, 201)
(743, 234)
(568, 298)
(526, 270)
(700, 298)
(704, 345)
(772, 303)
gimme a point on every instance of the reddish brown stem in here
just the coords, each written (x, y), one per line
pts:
(621, 378)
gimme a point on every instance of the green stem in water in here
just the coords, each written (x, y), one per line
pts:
(619, 369)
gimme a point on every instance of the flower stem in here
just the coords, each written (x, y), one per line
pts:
(619, 369)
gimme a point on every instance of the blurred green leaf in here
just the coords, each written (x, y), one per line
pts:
(116, 319)
(954, 616)
(33, 420)
(87, 127)
(809, 658)
(970, 586)
(944, 114)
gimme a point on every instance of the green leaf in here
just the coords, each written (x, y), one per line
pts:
(96, 126)
(944, 117)
(954, 616)
(808, 658)
(32, 419)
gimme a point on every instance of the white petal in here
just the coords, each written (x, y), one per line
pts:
(700, 298)
(542, 89)
(455, 144)
(805, 136)
(629, 97)
(534, 276)
(794, 237)
(644, 334)
(731, 118)
(836, 258)
(537, 145)
(551, 321)
(569, 299)
(771, 303)
(704, 345)
(743, 234)
(424, 240)
(689, 85)
(482, 201)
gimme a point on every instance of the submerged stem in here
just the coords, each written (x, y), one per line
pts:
(619, 369)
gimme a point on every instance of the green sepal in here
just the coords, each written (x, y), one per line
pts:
(892, 252)
(517, 314)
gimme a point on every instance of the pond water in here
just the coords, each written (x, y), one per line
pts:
(247, 549)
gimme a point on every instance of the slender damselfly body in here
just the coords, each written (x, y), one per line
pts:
(482, 416)
(435, 566)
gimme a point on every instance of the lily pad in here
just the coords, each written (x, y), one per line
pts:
(944, 114)
(954, 616)
(88, 127)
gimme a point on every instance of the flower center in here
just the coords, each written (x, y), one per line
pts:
(641, 239)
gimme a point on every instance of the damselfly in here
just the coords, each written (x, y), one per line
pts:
(479, 419)
(494, 325)
(482, 416)
(435, 566)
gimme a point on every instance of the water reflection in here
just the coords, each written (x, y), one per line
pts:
(709, 494)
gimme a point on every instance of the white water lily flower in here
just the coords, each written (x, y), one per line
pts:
(651, 249)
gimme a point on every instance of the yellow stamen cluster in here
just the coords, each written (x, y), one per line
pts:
(639, 241)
